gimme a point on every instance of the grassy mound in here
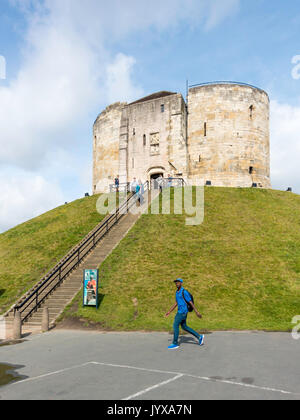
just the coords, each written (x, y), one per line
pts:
(242, 265)
(30, 250)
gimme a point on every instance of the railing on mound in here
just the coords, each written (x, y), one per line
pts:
(155, 184)
(54, 278)
(161, 183)
(123, 187)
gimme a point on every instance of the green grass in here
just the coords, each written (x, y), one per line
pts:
(30, 250)
(242, 265)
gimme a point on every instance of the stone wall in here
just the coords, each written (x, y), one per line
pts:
(106, 147)
(228, 141)
(155, 141)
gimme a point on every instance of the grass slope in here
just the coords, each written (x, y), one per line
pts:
(30, 250)
(242, 266)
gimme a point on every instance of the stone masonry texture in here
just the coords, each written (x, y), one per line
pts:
(221, 135)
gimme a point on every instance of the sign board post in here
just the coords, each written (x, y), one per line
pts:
(90, 288)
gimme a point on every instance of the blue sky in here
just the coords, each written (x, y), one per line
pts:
(67, 59)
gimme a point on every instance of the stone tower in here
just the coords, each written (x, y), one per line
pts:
(228, 135)
(223, 138)
(106, 146)
(142, 140)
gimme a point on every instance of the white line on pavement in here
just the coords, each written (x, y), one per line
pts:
(137, 368)
(138, 394)
(50, 374)
(178, 375)
(203, 378)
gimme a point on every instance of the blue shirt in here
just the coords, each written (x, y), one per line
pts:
(182, 306)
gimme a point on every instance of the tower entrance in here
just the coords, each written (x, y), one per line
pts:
(154, 180)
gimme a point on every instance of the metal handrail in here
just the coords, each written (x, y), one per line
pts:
(122, 187)
(73, 259)
(168, 182)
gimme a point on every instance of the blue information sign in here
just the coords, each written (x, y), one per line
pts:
(90, 287)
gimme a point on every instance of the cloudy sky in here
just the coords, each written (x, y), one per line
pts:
(63, 61)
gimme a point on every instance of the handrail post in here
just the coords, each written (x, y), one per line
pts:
(45, 320)
(17, 326)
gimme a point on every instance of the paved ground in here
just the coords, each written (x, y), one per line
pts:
(137, 366)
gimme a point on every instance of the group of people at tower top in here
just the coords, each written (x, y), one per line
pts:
(136, 187)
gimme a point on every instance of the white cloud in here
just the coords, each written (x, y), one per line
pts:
(67, 72)
(285, 146)
(117, 18)
(24, 196)
(54, 88)
(119, 85)
(67, 68)
(219, 10)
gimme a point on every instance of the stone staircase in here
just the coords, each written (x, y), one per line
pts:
(68, 289)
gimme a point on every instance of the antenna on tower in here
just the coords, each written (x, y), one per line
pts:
(187, 109)
(187, 89)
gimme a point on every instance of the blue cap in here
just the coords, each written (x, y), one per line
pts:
(180, 280)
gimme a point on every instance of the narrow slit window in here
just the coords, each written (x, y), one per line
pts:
(251, 109)
(144, 140)
(251, 169)
(205, 129)
(162, 108)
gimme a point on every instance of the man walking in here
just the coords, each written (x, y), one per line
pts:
(183, 299)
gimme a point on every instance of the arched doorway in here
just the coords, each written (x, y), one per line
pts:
(154, 178)
(154, 173)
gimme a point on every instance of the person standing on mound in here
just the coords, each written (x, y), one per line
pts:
(183, 301)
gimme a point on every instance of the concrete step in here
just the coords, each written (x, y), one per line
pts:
(71, 284)
(52, 304)
(69, 289)
(32, 324)
(38, 317)
(67, 295)
(74, 280)
(52, 309)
